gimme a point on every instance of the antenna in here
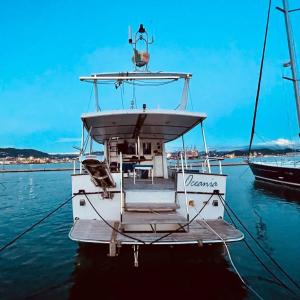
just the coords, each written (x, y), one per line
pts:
(129, 35)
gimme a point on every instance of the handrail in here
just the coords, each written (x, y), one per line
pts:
(184, 186)
(121, 187)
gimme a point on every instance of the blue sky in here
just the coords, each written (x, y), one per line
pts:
(47, 45)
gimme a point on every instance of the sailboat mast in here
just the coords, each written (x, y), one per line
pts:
(292, 57)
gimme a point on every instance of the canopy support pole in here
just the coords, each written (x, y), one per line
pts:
(81, 147)
(184, 151)
(91, 140)
(82, 139)
(205, 147)
(138, 146)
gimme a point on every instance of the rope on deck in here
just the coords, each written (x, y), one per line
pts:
(112, 227)
(185, 225)
(35, 224)
(160, 238)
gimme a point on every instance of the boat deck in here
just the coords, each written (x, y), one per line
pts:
(95, 231)
(158, 184)
(141, 218)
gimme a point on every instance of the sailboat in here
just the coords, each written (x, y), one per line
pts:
(131, 197)
(285, 172)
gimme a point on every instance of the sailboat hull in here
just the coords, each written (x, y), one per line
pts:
(276, 174)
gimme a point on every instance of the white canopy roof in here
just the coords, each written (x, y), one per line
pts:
(145, 124)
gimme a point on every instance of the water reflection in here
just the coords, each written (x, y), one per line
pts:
(167, 273)
(279, 191)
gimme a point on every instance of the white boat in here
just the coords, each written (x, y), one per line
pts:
(130, 196)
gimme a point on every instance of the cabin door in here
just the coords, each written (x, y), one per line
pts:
(158, 166)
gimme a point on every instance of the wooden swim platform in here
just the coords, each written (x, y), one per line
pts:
(96, 231)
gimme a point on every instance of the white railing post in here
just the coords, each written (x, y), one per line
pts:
(184, 151)
(206, 149)
(184, 186)
(80, 167)
(220, 167)
(121, 186)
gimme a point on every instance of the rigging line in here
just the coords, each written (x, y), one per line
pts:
(90, 98)
(244, 172)
(185, 225)
(177, 106)
(259, 79)
(231, 261)
(122, 96)
(35, 224)
(259, 245)
(190, 96)
(112, 227)
(135, 96)
(85, 143)
(280, 282)
(295, 9)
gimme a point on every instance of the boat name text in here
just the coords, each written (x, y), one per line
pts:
(191, 182)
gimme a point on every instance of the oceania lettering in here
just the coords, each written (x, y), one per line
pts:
(191, 182)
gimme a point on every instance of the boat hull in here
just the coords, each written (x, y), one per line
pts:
(276, 174)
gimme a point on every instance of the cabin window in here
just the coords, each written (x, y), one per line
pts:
(126, 148)
(146, 148)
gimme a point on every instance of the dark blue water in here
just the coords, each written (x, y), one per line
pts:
(45, 264)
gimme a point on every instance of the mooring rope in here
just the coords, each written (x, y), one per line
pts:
(231, 261)
(139, 240)
(112, 227)
(225, 205)
(35, 224)
(185, 225)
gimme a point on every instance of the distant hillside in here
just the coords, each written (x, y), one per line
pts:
(13, 152)
(261, 151)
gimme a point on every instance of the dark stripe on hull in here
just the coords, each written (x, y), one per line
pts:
(276, 174)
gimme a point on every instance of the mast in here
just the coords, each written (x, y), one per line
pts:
(285, 10)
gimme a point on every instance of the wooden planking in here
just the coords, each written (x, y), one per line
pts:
(152, 218)
(98, 232)
(91, 230)
(114, 233)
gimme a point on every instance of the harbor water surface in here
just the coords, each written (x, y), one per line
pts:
(46, 264)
